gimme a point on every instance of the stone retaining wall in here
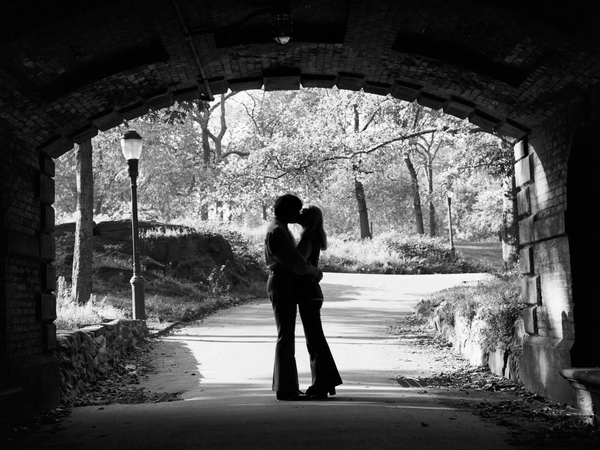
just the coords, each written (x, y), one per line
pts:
(467, 339)
(89, 353)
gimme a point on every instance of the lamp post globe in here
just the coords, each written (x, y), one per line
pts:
(282, 27)
(131, 145)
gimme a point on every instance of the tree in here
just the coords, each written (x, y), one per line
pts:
(306, 136)
(357, 156)
(84, 226)
(493, 154)
(416, 194)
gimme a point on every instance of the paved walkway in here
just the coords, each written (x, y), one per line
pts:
(223, 366)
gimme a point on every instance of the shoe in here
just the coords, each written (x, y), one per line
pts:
(292, 396)
(314, 392)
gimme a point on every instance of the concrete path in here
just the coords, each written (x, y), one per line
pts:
(223, 366)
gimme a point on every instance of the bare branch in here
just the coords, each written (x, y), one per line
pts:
(383, 144)
(223, 99)
(375, 113)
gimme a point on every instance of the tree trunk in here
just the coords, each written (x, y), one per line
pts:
(363, 213)
(510, 224)
(82, 256)
(414, 181)
(265, 211)
(205, 145)
(219, 210)
(432, 225)
(204, 212)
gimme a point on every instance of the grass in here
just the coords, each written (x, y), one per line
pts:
(166, 302)
(397, 253)
(71, 315)
(487, 253)
(167, 299)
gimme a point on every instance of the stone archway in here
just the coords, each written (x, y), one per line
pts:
(69, 69)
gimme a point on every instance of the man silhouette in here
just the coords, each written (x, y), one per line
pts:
(285, 263)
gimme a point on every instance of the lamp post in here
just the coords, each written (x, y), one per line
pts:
(449, 196)
(131, 144)
(282, 27)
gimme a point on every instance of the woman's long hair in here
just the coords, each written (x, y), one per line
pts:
(313, 224)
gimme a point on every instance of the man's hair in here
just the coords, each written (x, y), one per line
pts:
(286, 204)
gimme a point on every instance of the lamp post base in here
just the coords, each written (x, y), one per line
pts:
(137, 297)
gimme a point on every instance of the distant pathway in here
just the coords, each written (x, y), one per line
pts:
(224, 366)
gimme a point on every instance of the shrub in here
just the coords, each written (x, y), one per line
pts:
(501, 312)
(395, 253)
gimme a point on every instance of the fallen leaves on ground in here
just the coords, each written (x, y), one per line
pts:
(534, 421)
(122, 384)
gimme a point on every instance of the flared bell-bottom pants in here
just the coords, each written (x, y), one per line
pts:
(280, 288)
(325, 375)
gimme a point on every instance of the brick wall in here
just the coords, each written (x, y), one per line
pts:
(27, 305)
(21, 216)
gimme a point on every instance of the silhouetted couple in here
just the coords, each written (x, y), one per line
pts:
(294, 284)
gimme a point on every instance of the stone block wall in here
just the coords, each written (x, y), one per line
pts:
(467, 338)
(88, 354)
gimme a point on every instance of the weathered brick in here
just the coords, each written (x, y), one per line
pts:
(46, 189)
(524, 201)
(48, 219)
(49, 277)
(48, 307)
(526, 260)
(281, 83)
(530, 321)
(134, 111)
(459, 108)
(521, 150)
(350, 81)
(85, 133)
(526, 233)
(523, 172)
(432, 101)
(47, 249)
(530, 290)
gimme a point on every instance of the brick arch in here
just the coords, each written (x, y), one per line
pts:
(404, 91)
(73, 69)
(69, 69)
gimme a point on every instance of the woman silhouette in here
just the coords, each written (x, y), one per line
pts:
(325, 376)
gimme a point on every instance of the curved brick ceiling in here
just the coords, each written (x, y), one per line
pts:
(68, 68)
